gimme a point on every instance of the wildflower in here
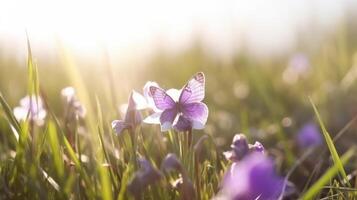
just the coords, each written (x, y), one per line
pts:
(298, 67)
(68, 93)
(256, 147)
(147, 175)
(241, 148)
(132, 117)
(182, 184)
(252, 178)
(31, 108)
(309, 136)
(74, 107)
(170, 163)
(148, 97)
(181, 109)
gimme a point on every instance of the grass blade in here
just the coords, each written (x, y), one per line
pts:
(329, 174)
(33, 84)
(335, 157)
(103, 172)
(8, 112)
(55, 147)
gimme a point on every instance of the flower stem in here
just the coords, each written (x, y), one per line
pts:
(133, 145)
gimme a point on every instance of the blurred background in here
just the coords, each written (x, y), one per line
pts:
(262, 59)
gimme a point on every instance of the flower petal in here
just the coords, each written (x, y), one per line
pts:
(140, 101)
(153, 119)
(148, 96)
(119, 126)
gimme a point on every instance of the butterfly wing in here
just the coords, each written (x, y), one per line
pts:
(183, 124)
(194, 90)
(161, 99)
(196, 112)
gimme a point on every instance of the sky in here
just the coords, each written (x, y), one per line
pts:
(132, 29)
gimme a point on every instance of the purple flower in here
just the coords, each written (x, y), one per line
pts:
(300, 63)
(170, 163)
(146, 176)
(309, 136)
(252, 178)
(31, 108)
(240, 148)
(132, 117)
(145, 101)
(298, 67)
(148, 97)
(182, 109)
(256, 147)
(74, 107)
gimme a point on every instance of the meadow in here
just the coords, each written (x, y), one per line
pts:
(274, 128)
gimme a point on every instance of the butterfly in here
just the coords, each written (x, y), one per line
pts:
(188, 111)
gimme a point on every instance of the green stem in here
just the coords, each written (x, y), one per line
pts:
(133, 145)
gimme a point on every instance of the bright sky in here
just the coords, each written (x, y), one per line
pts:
(135, 28)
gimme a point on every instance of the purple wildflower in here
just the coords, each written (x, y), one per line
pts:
(146, 176)
(240, 148)
(145, 101)
(132, 117)
(74, 108)
(148, 97)
(256, 147)
(181, 109)
(300, 63)
(297, 68)
(170, 163)
(31, 108)
(309, 136)
(252, 178)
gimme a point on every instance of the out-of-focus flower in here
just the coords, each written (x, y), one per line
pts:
(181, 109)
(182, 184)
(31, 108)
(256, 147)
(298, 66)
(240, 148)
(171, 163)
(252, 178)
(68, 93)
(309, 136)
(73, 105)
(146, 176)
(132, 117)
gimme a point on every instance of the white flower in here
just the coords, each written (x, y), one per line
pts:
(32, 109)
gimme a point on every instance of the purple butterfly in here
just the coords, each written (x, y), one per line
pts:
(185, 112)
